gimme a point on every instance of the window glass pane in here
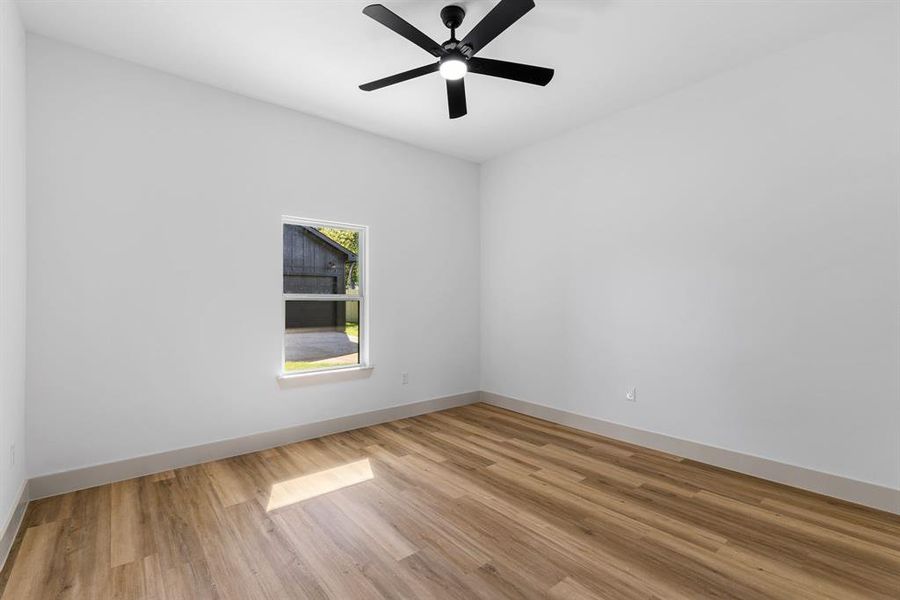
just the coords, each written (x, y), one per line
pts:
(320, 334)
(320, 260)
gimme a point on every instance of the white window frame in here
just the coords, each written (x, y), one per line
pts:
(364, 298)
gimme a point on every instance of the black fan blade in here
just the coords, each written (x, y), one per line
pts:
(456, 97)
(404, 76)
(510, 70)
(495, 22)
(398, 25)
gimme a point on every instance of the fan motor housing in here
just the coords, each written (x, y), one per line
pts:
(452, 16)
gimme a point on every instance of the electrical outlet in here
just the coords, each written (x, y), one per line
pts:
(12, 455)
(631, 394)
(404, 378)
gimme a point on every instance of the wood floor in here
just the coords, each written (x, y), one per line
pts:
(473, 502)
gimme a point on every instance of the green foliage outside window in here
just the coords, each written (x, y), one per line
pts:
(349, 240)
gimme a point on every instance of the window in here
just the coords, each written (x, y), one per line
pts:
(324, 296)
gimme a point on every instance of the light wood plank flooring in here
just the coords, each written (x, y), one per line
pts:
(473, 502)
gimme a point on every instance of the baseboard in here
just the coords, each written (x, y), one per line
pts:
(860, 492)
(13, 522)
(77, 479)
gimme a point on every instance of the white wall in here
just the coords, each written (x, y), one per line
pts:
(737, 242)
(155, 261)
(12, 258)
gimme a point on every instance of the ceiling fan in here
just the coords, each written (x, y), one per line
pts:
(457, 57)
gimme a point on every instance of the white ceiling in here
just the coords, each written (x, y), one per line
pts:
(311, 55)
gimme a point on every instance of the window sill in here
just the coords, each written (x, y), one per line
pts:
(319, 373)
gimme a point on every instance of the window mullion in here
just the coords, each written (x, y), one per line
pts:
(323, 297)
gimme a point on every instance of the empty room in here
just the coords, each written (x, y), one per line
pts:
(489, 299)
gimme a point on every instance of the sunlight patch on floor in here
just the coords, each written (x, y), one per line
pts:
(309, 486)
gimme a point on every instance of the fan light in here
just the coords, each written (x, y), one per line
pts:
(453, 68)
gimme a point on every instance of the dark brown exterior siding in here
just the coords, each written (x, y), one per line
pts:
(312, 266)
